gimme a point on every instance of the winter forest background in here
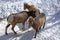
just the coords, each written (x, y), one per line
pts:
(52, 28)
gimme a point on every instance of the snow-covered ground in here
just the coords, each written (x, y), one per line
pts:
(52, 28)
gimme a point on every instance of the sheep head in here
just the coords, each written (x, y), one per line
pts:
(26, 5)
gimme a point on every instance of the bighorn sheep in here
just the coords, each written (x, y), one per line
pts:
(37, 22)
(32, 8)
(20, 17)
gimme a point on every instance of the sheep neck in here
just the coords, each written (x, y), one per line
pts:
(31, 13)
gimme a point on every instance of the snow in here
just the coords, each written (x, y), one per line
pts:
(52, 28)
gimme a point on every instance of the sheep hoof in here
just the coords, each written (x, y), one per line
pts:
(34, 37)
(23, 29)
(6, 34)
(15, 33)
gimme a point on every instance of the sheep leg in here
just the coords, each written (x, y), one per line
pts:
(39, 29)
(44, 25)
(23, 28)
(13, 29)
(7, 28)
(36, 33)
